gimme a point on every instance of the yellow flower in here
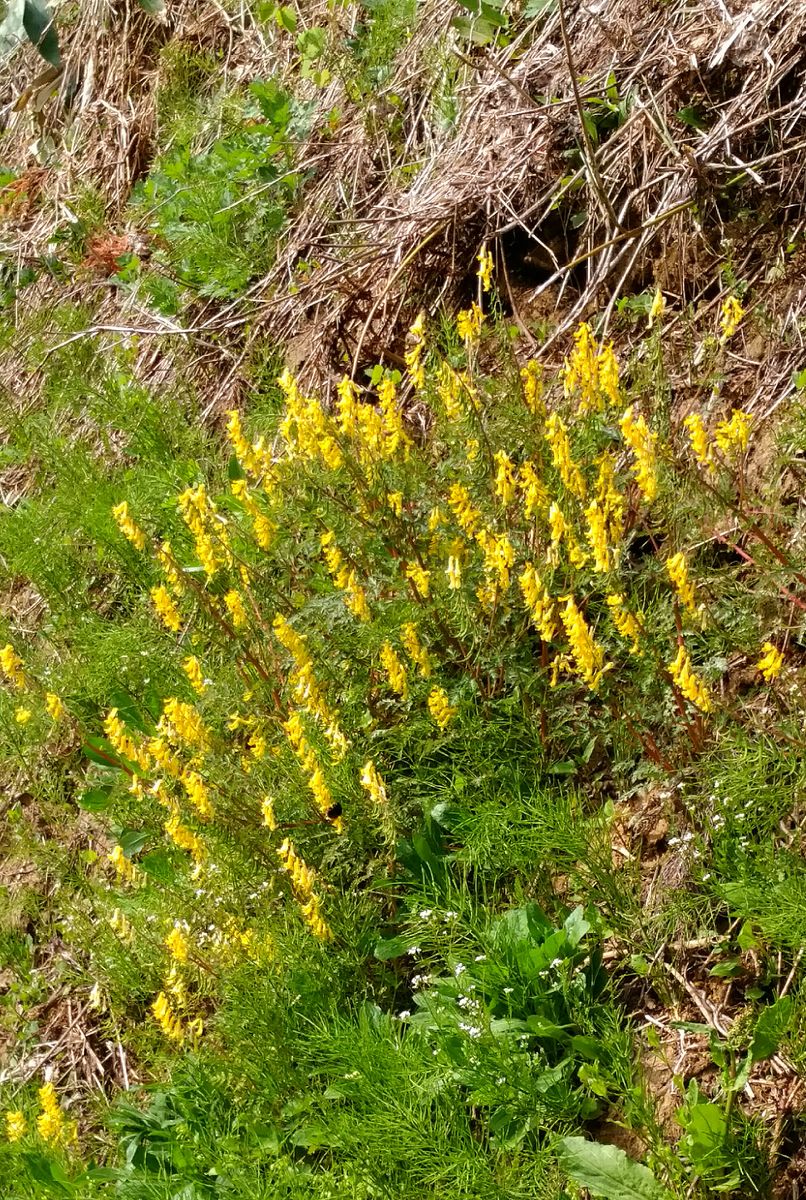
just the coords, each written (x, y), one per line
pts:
(122, 926)
(55, 707)
(469, 322)
(731, 316)
(50, 1122)
(166, 610)
(539, 602)
(128, 527)
(115, 731)
(395, 502)
(499, 556)
(733, 435)
(630, 625)
(395, 671)
(505, 478)
(535, 497)
(419, 577)
(485, 271)
(587, 654)
(556, 434)
(16, 1125)
(677, 569)
(22, 715)
(197, 793)
(440, 707)
(192, 668)
(415, 649)
(185, 838)
(235, 607)
(267, 812)
(165, 557)
(692, 688)
(373, 783)
(177, 944)
(250, 460)
(591, 372)
(312, 915)
(657, 308)
(472, 449)
(597, 537)
(11, 666)
(449, 390)
(771, 662)
(292, 641)
(169, 1021)
(607, 367)
(642, 442)
(454, 572)
(698, 436)
(181, 722)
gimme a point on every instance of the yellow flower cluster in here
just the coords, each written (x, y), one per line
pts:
(692, 688)
(124, 866)
(193, 669)
(505, 478)
(485, 271)
(344, 578)
(771, 662)
(305, 429)
(539, 602)
(532, 384)
(587, 654)
(55, 706)
(468, 323)
(268, 814)
(307, 690)
(209, 533)
(560, 531)
(11, 666)
(373, 783)
(50, 1123)
(630, 625)
(180, 722)
(419, 577)
(413, 354)
(120, 924)
(591, 373)
(197, 793)
(677, 570)
(499, 557)
(556, 434)
(535, 496)
(415, 649)
(376, 433)
(732, 436)
(730, 318)
(441, 708)
(165, 608)
(263, 528)
(16, 1125)
(128, 527)
(643, 443)
(177, 944)
(395, 671)
(251, 458)
(168, 1019)
(700, 441)
(170, 568)
(186, 839)
(235, 608)
(302, 882)
(123, 743)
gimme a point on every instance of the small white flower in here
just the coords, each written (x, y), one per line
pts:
(414, 951)
(480, 958)
(425, 913)
(459, 969)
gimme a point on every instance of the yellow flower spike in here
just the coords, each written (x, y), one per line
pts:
(165, 608)
(193, 669)
(596, 533)
(267, 813)
(733, 436)
(730, 318)
(656, 309)
(120, 924)
(291, 641)
(629, 625)
(532, 383)
(587, 654)
(197, 793)
(50, 1123)
(468, 323)
(419, 577)
(244, 452)
(170, 568)
(125, 868)
(414, 353)
(169, 1022)
(177, 944)
(505, 478)
(125, 745)
(161, 753)
(11, 666)
(558, 529)
(415, 649)
(181, 722)
(55, 707)
(440, 707)
(472, 449)
(771, 662)
(539, 602)
(535, 496)
(185, 839)
(692, 688)
(581, 371)
(395, 671)
(395, 502)
(608, 372)
(449, 390)
(372, 782)
(677, 570)
(16, 1125)
(499, 556)
(128, 527)
(22, 715)
(699, 439)
(556, 434)
(235, 607)
(485, 271)
(643, 443)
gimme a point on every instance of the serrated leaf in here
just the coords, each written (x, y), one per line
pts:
(770, 1028)
(608, 1172)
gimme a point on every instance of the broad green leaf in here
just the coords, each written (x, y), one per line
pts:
(40, 28)
(99, 750)
(12, 28)
(394, 947)
(133, 840)
(286, 18)
(95, 800)
(770, 1028)
(607, 1171)
(154, 7)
